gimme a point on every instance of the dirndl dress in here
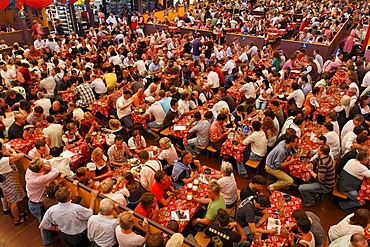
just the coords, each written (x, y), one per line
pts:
(12, 188)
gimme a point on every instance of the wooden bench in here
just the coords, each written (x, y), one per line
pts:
(212, 150)
(337, 193)
(201, 239)
(201, 148)
(165, 132)
(155, 129)
(253, 164)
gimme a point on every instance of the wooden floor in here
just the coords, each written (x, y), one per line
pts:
(28, 234)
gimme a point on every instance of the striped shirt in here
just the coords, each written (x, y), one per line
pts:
(325, 171)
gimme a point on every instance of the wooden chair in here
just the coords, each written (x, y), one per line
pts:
(212, 150)
(337, 193)
(165, 132)
(253, 164)
(201, 239)
(202, 148)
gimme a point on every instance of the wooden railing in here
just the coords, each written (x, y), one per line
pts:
(85, 193)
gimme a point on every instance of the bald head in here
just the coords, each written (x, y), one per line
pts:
(19, 119)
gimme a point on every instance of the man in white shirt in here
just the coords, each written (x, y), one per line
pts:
(124, 104)
(156, 112)
(332, 139)
(297, 95)
(44, 102)
(318, 58)
(39, 43)
(213, 81)
(350, 125)
(53, 133)
(8, 75)
(220, 104)
(48, 83)
(350, 138)
(97, 85)
(101, 227)
(249, 90)
(112, 19)
(230, 64)
(148, 170)
(366, 80)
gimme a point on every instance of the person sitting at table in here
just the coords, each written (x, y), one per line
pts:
(222, 231)
(78, 113)
(106, 188)
(351, 178)
(184, 104)
(354, 240)
(297, 95)
(168, 155)
(332, 139)
(88, 124)
(279, 157)
(115, 129)
(99, 168)
(172, 115)
(331, 117)
(324, 176)
(252, 213)
(306, 236)
(71, 137)
(349, 140)
(16, 129)
(124, 105)
(40, 150)
(148, 206)
(125, 234)
(215, 201)
(181, 173)
(137, 142)
(83, 177)
(316, 227)
(253, 188)
(118, 153)
(227, 184)
(149, 167)
(57, 110)
(349, 126)
(37, 117)
(219, 105)
(134, 187)
(257, 142)
(201, 131)
(154, 112)
(356, 222)
(162, 188)
(278, 112)
(217, 132)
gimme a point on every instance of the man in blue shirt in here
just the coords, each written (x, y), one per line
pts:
(197, 44)
(280, 157)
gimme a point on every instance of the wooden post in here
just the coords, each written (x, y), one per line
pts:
(90, 13)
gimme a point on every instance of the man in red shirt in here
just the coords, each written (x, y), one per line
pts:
(148, 206)
(161, 186)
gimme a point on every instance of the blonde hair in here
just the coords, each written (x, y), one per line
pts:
(224, 111)
(165, 141)
(106, 186)
(71, 126)
(214, 187)
(96, 152)
(126, 221)
(87, 115)
(114, 124)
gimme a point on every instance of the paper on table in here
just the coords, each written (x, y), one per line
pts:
(67, 154)
(273, 223)
(179, 127)
(186, 215)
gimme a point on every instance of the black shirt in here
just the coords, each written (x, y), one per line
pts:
(15, 131)
(222, 235)
(30, 97)
(11, 102)
(247, 213)
(247, 192)
(61, 110)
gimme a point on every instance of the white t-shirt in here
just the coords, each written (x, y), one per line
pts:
(147, 173)
(62, 164)
(123, 112)
(45, 104)
(248, 90)
(128, 240)
(298, 96)
(8, 76)
(157, 111)
(5, 166)
(349, 126)
(344, 228)
(169, 154)
(258, 143)
(183, 107)
(228, 189)
(55, 133)
(332, 140)
(356, 169)
(78, 114)
(98, 86)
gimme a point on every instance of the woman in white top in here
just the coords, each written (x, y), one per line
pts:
(106, 187)
(227, 183)
(357, 222)
(264, 95)
(99, 167)
(137, 142)
(168, 153)
(7, 116)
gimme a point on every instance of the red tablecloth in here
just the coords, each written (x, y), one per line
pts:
(364, 193)
(68, 96)
(193, 207)
(293, 204)
(179, 133)
(24, 146)
(234, 92)
(137, 119)
(77, 160)
(235, 151)
(102, 107)
(339, 77)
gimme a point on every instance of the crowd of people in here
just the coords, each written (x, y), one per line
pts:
(283, 112)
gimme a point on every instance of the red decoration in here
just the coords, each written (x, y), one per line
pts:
(4, 4)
